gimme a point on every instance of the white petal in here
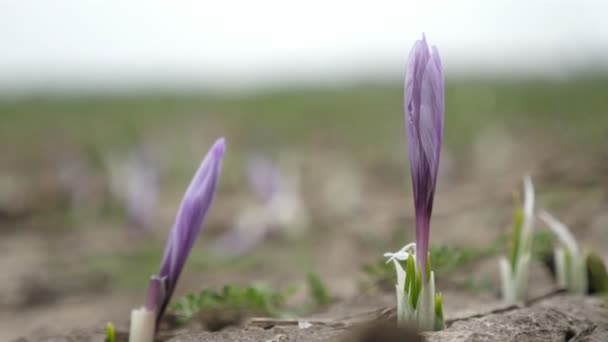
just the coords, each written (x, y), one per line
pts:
(402, 254)
(304, 324)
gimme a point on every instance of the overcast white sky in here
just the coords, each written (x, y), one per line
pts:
(225, 43)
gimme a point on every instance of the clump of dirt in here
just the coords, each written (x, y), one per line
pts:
(383, 331)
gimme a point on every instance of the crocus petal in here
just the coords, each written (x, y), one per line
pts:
(430, 131)
(431, 113)
(424, 117)
(560, 230)
(156, 293)
(418, 59)
(189, 220)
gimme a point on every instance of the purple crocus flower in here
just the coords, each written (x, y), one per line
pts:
(190, 217)
(424, 109)
(264, 178)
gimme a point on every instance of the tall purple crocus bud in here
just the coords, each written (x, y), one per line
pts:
(190, 217)
(424, 110)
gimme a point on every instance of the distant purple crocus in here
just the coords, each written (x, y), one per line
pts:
(264, 177)
(142, 188)
(424, 109)
(190, 217)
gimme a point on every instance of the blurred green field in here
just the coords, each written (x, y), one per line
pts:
(364, 117)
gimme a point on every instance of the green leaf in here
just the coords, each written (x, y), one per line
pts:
(410, 274)
(598, 276)
(439, 322)
(416, 289)
(518, 221)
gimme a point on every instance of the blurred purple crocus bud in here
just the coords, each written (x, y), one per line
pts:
(190, 217)
(264, 178)
(142, 189)
(156, 292)
(424, 110)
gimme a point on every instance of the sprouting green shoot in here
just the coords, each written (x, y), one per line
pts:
(416, 288)
(410, 268)
(418, 301)
(254, 300)
(413, 281)
(439, 322)
(598, 276)
(318, 290)
(110, 332)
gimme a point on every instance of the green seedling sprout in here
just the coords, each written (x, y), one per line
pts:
(110, 332)
(570, 261)
(514, 269)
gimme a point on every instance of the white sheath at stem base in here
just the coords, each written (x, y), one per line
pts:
(514, 283)
(571, 270)
(426, 305)
(579, 275)
(143, 325)
(561, 273)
